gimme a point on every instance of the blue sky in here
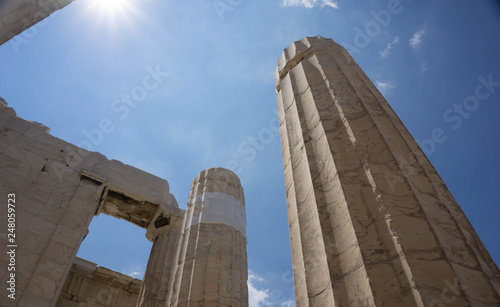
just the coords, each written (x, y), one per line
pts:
(188, 85)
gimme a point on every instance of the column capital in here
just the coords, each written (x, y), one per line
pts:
(164, 221)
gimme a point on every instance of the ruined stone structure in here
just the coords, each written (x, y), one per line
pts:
(198, 256)
(371, 222)
(89, 285)
(18, 15)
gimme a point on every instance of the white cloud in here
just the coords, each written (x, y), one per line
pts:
(310, 3)
(422, 67)
(330, 4)
(265, 297)
(134, 274)
(384, 86)
(256, 297)
(384, 53)
(133, 270)
(289, 303)
(416, 39)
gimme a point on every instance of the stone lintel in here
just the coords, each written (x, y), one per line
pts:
(137, 209)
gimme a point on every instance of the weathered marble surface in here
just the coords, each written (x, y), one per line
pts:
(201, 260)
(371, 222)
(213, 259)
(90, 285)
(18, 15)
(59, 188)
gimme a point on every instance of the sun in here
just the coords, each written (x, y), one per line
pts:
(111, 7)
(114, 16)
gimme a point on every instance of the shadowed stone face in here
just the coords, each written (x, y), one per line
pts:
(371, 222)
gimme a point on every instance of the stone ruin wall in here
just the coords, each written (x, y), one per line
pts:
(58, 189)
(90, 285)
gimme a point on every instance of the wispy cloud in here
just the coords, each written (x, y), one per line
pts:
(416, 39)
(422, 68)
(383, 87)
(256, 297)
(134, 274)
(289, 303)
(330, 4)
(311, 3)
(384, 53)
(133, 270)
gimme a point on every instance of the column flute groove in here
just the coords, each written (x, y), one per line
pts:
(386, 229)
(315, 262)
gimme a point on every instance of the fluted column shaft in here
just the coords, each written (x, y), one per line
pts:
(371, 222)
(212, 263)
(159, 276)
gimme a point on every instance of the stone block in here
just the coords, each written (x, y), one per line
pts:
(73, 221)
(13, 182)
(82, 159)
(18, 139)
(28, 299)
(82, 207)
(61, 200)
(51, 141)
(21, 235)
(26, 259)
(32, 206)
(4, 117)
(33, 223)
(22, 278)
(17, 124)
(125, 178)
(30, 164)
(68, 237)
(35, 131)
(51, 268)
(34, 243)
(48, 152)
(8, 302)
(65, 175)
(51, 6)
(52, 212)
(42, 287)
(4, 144)
(47, 180)
(59, 251)
(3, 264)
(39, 192)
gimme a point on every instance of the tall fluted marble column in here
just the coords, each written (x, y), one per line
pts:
(371, 222)
(212, 263)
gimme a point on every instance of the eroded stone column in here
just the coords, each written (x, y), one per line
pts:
(212, 265)
(371, 222)
(165, 232)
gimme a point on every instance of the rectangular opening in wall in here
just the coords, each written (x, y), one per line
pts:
(109, 266)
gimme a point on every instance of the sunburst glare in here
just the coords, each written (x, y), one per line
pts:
(113, 9)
